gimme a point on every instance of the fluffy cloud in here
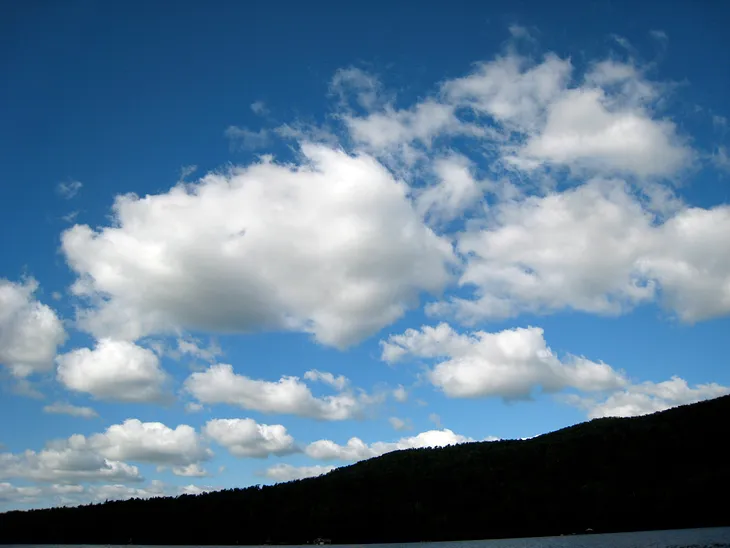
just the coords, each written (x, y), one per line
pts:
(455, 192)
(352, 80)
(30, 332)
(331, 247)
(59, 408)
(544, 253)
(338, 383)
(381, 131)
(356, 449)
(66, 461)
(151, 442)
(156, 488)
(690, 259)
(287, 472)
(114, 370)
(100, 457)
(597, 249)
(509, 364)
(603, 124)
(510, 90)
(247, 438)
(190, 471)
(193, 347)
(539, 114)
(11, 493)
(583, 132)
(73, 495)
(220, 384)
(648, 397)
(101, 493)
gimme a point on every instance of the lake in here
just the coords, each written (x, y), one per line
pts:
(680, 538)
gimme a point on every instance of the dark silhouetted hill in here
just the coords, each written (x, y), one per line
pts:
(662, 471)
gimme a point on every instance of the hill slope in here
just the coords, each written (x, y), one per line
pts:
(662, 471)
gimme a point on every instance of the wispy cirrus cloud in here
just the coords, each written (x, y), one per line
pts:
(68, 189)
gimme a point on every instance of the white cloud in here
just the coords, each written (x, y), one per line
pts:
(69, 190)
(192, 347)
(102, 493)
(286, 472)
(435, 419)
(248, 139)
(583, 132)
(66, 461)
(155, 488)
(356, 449)
(623, 42)
(364, 86)
(690, 260)
(605, 125)
(30, 332)
(508, 364)
(13, 494)
(540, 116)
(520, 32)
(392, 129)
(596, 249)
(195, 490)
(101, 457)
(573, 249)
(247, 438)
(193, 470)
(338, 383)
(510, 90)
(400, 394)
(192, 407)
(114, 370)
(70, 217)
(219, 384)
(208, 239)
(151, 442)
(260, 108)
(24, 387)
(721, 158)
(330, 247)
(455, 192)
(399, 424)
(187, 171)
(46, 496)
(627, 78)
(60, 408)
(648, 397)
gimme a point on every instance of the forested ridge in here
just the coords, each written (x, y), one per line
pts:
(662, 471)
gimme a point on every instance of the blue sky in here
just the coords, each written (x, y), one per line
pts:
(246, 244)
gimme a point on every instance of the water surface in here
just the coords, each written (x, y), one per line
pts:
(680, 538)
